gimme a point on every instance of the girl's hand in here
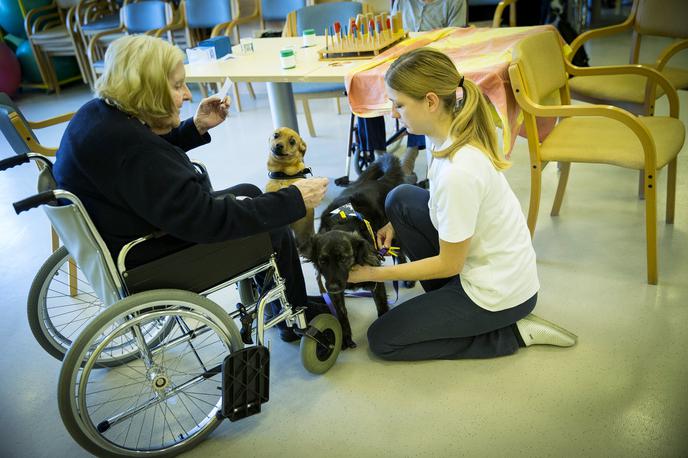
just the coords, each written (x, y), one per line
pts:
(385, 235)
(210, 113)
(360, 274)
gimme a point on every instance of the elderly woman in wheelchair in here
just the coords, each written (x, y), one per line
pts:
(153, 239)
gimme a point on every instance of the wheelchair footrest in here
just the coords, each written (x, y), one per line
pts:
(245, 382)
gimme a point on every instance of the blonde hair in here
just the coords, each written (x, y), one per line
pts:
(136, 77)
(425, 70)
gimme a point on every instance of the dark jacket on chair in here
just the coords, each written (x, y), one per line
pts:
(134, 182)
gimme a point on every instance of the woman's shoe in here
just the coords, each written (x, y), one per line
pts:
(536, 331)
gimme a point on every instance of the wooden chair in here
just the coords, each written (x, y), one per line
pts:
(211, 18)
(92, 17)
(667, 18)
(319, 17)
(52, 31)
(500, 6)
(635, 93)
(20, 135)
(593, 134)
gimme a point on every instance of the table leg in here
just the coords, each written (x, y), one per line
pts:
(282, 108)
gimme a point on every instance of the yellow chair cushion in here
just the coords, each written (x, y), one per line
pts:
(603, 140)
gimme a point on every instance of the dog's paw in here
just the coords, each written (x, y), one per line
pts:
(348, 342)
(409, 284)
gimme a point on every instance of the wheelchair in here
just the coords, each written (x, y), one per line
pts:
(160, 365)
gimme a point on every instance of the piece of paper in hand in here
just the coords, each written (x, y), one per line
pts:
(224, 90)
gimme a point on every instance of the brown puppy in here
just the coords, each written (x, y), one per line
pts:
(285, 166)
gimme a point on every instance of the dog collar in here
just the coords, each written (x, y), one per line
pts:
(348, 211)
(284, 176)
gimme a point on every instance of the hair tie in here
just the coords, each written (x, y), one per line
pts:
(461, 82)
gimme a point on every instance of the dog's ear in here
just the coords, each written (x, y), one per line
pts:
(302, 146)
(364, 252)
(308, 249)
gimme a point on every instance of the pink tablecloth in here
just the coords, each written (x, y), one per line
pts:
(481, 54)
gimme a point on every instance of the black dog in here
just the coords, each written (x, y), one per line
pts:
(347, 236)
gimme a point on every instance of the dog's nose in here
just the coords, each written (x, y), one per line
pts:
(278, 147)
(334, 287)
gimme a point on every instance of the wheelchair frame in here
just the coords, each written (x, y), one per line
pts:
(154, 329)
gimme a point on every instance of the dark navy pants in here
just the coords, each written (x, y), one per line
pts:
(442, 323)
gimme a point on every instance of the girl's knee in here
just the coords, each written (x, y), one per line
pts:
(398, 198)
(377, 341)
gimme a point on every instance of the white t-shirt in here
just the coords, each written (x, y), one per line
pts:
(470, 198)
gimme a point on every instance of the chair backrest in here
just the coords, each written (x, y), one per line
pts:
(541, 62)
(322, 16)
(7, 107)
(207, 13)
(277, 10)
(84, 244)
(142, 17)
(668, 18)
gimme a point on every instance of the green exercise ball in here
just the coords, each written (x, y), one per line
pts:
(65, 66)
(11, 18)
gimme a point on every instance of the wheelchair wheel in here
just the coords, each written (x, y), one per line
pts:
(57, 315)
(248, 292)
(162, 403)
(362, 159)
(316, 357)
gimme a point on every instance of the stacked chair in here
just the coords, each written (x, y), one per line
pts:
(152, 17)
(52, 31)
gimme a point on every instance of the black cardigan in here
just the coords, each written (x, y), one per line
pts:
(134, 182)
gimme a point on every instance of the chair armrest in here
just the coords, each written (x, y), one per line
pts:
(289, 29)
(34, 13)
(669, 52)
(601, 32)
(654, 77)
(94, 40)
(255, 14)
(224, 28)
(27, 137)
(606, 111)
(51, 121)
(38, 23)
(501, 6)
(168, 28)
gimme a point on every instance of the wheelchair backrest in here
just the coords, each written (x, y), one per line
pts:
(84, 244)
(7, 107)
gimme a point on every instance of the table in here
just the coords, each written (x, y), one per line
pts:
(263, 65)
(481, 54)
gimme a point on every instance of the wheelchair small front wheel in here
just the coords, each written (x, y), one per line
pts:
(319, 354)
(362, 159)
(167, 399)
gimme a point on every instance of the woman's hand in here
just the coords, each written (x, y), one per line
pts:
(359, 274)
(210, 112)
(385, 235)
(312, 190)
